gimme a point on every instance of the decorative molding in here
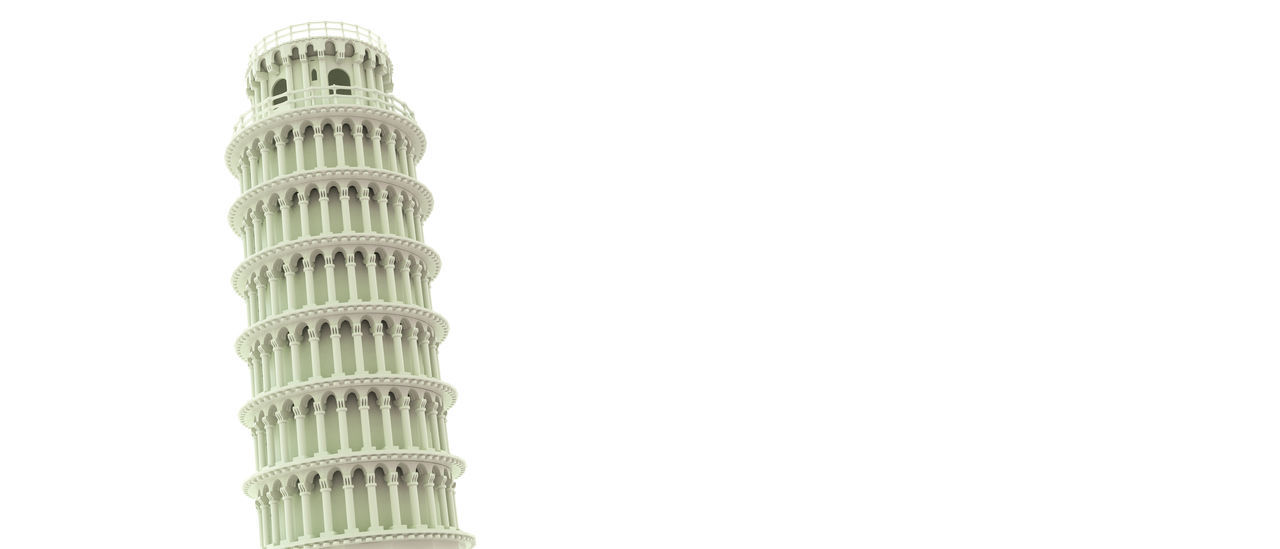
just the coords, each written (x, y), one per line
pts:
(289, 392)
(271, 186)
(455, 464)
(320, 312)
(315, 244)
(391, 535)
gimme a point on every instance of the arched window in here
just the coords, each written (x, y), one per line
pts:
(313, 75)
(338, 77)
(279, 88)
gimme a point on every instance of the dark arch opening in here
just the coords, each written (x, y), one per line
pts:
(338, 77)
(278, 89)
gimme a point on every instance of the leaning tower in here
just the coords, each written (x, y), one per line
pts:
(348, 412)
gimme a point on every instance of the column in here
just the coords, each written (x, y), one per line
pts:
(345, 199)
(264, 528)
(366, 435)
(322, 433)
(453, 512)
(393, 490)
(271, 441)
(300, 429)
(382, 212)
(353, 290)
(325, 226)
(331, 283)
(271, 227)
(280, 163)
(433, 516)
(309, 273)
(414, 359)
(357, 337)
(377, 148)
(258, 454)
(417, 285)
(344, 434)
(358, 133)
(433, 421)
(370, 264)
(275, 518)
(415, 509)
(378, 352)
(252, 293)
(384, 406)
(286, 220)
(404, 280)
(397, 348)
(441, 500)
(317, 135)
(299, 151)
(290, 297)
(406, 424)
(375, 520)
(263, 309)
(259, 237)
(340, 145)
(390, 269)
(402, 156)
(424, 431)
(444, 430)
(435, 358)
(262, 162)
(392, 163)
(313, 344)
(426, 355)
(304, 494)
(399, 225)
(253, 168)
(295, 359)
(335, 345)
(366, 220)
(304, 213)
(282, 446)
(278, 355)
(286, 503)
(348, 492)
(326, 507)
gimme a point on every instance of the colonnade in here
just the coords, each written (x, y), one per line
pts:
(355, 420)
(324, 143)
(335, 276)
(334, 208)
(326, 349)
(364, 498)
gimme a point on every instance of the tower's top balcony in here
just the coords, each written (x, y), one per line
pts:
(316, 29)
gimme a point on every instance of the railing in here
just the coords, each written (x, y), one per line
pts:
(316, 29)
(317, 95)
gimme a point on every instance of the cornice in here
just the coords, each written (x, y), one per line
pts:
(322, 311)
(400, 243)
(391, 535)
(277, 183)
(454, 463)
(287, 117)
(348, 382)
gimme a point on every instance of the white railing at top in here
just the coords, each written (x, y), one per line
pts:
(316, 29)
(317, 95)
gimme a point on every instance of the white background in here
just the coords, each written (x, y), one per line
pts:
(720, 274)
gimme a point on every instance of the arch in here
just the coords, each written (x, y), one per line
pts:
(278, 91)
(339, 77)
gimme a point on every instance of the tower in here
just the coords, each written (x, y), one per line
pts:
(348, 412)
